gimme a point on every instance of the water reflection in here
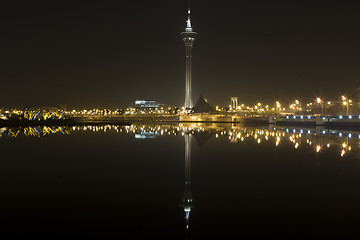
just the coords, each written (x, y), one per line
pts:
(33, 131)
(319, 139)
(314, 140)
(187, 200)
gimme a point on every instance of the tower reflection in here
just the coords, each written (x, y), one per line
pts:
(187, 201)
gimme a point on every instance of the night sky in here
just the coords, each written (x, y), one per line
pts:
(109, 53)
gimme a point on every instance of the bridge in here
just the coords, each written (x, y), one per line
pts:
(316, 120)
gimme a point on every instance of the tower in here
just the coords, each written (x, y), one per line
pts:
(233, 102)
(188, 37)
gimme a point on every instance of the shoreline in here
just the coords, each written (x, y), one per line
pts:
(174, 120)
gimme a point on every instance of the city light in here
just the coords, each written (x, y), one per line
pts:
(150, 131)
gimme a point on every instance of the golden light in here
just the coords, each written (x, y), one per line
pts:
(318, 148)
(342, 153)
(318, 100)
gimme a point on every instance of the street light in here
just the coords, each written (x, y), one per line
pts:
(298, 103)
(278, 105)
(319, 101)
(346, 103)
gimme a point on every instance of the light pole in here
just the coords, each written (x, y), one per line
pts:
(347, 107)
(298, 103)
(346, 103)
(319, 101)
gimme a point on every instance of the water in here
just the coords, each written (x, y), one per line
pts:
(179, 181)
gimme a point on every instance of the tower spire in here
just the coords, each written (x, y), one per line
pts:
(188, 37)
(188, 21)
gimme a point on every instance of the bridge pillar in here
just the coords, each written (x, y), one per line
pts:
(319, 121)
(319, 129)
(272, 120)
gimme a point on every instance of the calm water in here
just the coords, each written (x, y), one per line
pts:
(179, 181)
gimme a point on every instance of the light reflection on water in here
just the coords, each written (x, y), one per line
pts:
(319, 139)
(341, 143)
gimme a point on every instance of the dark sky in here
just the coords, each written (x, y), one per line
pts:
(109, 53)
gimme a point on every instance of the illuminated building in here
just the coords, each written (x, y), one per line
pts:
(234, 102)
(188, 37)
(202, 106)
(146, 104)
(146, 107)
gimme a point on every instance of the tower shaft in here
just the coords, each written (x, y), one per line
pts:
(188, 37)
(188, 95)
